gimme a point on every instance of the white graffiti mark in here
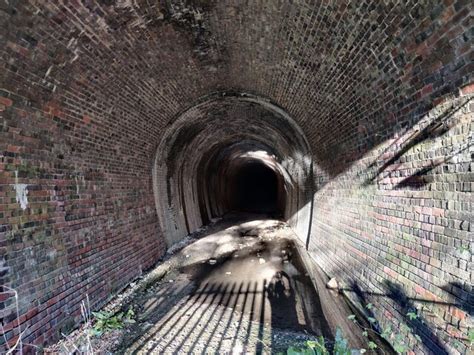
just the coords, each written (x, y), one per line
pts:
(21, 193)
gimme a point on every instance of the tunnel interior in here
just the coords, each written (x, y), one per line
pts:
(203, 171)
(124, 123)
(254, 188)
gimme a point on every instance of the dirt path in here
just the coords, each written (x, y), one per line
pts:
(238, 289)
(237, 286)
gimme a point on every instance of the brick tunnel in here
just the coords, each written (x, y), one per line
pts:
(129, 125)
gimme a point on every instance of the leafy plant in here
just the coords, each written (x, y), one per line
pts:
(400, 347)
(470, 336)
(386, 332)
(318, 347)
(107, 321)
(462, 249)
(311, 347)
(372, 345)
(412, 315)
(341, 347)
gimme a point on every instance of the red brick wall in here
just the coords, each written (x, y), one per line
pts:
(396, 229)
(89, 87)
(89, 225)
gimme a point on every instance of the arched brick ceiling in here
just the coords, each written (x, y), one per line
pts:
(345, 67)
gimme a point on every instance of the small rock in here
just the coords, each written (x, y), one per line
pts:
(332, 284)
(261, 260)
(212, 261)
(228, 273)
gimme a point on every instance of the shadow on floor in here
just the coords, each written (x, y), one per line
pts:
(240, 288)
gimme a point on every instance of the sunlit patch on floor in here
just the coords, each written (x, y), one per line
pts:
(247, 293)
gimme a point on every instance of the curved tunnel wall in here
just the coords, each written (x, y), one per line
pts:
(198, 152)
(381, 89)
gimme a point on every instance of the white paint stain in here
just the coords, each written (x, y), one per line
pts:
(21, 193)
(77, 185)
(79, 181)
(48, 71)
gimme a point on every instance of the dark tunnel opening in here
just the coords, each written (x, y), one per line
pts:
(255, 188)
(201, 178)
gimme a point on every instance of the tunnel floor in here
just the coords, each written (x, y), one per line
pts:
(237, 286)
(240, 288)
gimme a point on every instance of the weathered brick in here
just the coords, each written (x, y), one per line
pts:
(379, 90)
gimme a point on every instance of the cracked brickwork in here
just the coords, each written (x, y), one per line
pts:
(380, 89)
